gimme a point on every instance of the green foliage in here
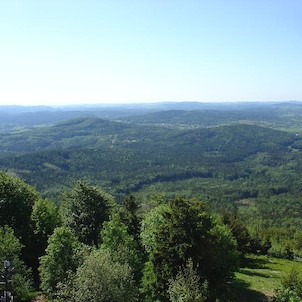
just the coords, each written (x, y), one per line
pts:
(150, 224)
(286, 295)
(149, 279)
(10, 249)
(186, 230)
(120, 244)
(17, 200)
(85, 208)
(240, 232)
(253, 172)
(297, 242)
(293, 281)
(100, 279)
(62, 257)
(129, 213)
(133, 156)
(10, 246)
(45, 216)
(187, 286)
(291, 288)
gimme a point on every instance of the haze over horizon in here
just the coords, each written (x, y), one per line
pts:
(72, 52)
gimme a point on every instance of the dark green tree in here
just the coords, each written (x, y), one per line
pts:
(10, 249)
(45, 217)
(16, 202)
(130, 216)
(185, 231)
(239, 231)
(84, 210)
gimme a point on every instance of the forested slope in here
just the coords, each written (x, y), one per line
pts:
(130, 156)
(249, 175)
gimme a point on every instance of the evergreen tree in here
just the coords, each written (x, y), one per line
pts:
(130, 216)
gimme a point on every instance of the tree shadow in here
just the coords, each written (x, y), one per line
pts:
(255, 263)
(242, 293)
(249, 273)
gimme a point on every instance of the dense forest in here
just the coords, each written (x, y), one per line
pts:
(155, 203)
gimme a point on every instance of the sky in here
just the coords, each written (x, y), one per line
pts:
(61, 52)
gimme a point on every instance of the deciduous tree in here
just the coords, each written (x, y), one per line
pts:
(84, 210)
(186, 230)
(60, 259)
(100, 279)
(10, 249)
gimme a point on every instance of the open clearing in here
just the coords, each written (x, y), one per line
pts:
(257, 280)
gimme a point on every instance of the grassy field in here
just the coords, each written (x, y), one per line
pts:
(257, 280)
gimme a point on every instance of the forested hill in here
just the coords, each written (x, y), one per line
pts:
(93, 132)
(244, 172)
(76, 133)
(204, 118)
(126, 157)
(281, 116)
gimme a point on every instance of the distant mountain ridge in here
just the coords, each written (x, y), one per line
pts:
(182, 113)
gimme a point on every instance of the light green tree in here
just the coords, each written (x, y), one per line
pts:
(121, 245)
(60, 259)
(187, 285)
(100, 279)
(46, 218)
(290, 289)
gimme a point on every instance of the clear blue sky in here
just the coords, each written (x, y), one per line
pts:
(95, 51)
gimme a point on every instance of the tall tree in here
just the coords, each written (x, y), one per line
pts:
(16, 202)
(60, 259)
(130, 216)
(121, 245)
(84, 210)
(186, 230)
(45, 216)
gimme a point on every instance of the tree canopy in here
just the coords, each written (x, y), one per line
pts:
(85, 208)
(187, 231)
